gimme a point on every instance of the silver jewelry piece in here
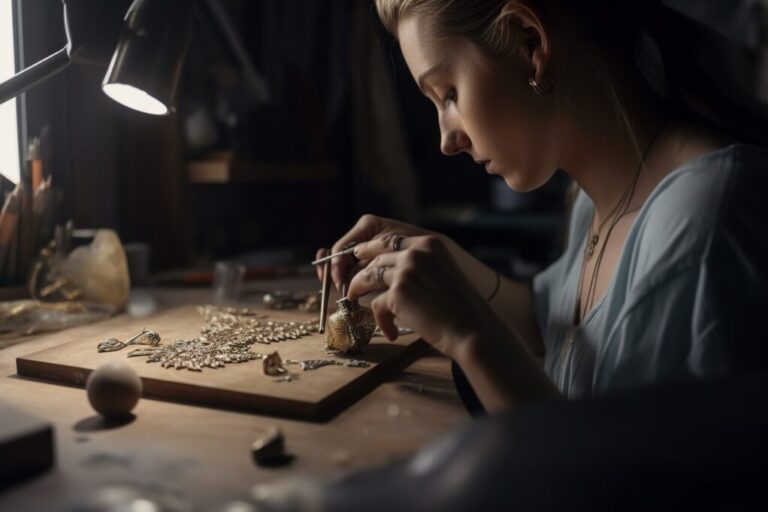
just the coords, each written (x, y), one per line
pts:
(401, 331)
(357, 363)
(114, 344)
(538, 89)
(380, 276)
(226, 337)
(314, 364)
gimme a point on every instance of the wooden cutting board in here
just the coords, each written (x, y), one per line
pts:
(316, 394)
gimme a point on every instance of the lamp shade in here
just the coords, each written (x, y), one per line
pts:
(146, 66)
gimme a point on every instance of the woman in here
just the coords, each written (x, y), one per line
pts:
(661, 278)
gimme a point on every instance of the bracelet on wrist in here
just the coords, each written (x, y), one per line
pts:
(496, 287)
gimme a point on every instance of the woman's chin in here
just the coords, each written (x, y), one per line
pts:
(520, 185)
(524, 182)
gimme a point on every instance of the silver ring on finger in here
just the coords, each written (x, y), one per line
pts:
(397, 242)
(380, 276)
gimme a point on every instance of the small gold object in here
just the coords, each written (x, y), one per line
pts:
(350, 328)
(273, 365)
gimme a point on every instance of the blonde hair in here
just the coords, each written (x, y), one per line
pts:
(479, 22)
(475, 20)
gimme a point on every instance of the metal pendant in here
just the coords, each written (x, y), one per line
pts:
(350, 328)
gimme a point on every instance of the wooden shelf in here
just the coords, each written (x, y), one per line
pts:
(223, 167)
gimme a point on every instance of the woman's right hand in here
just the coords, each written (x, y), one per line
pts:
(369, 228)
(374, 236)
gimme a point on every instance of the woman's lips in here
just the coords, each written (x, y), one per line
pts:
(486, 164)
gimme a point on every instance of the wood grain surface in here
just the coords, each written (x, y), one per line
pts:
(315, 394)
(201, 454)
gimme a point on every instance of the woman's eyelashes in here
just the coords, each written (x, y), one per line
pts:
(449, 98)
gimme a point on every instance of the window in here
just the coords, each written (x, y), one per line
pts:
(9, 131)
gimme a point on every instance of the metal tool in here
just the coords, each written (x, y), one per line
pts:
(324, 295)
(346, 250)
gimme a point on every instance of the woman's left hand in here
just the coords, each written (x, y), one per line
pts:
(423, 288)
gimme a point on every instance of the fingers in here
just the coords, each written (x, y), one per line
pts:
(378, 275)
(387, 242)
(385, 319)
(319, 268)
(365, 229)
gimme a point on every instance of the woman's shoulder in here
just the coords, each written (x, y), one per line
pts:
(699, 203)
(692, 179)
(699, 189)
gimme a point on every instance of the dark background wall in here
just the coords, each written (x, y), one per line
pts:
(344, 132)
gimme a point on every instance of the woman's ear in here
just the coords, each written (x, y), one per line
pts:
(526, 31)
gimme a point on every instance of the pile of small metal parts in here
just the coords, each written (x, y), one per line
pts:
(226, 337)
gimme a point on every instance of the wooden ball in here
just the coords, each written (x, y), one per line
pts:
(113, 389)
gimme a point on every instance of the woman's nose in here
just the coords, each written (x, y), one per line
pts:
(453, 142)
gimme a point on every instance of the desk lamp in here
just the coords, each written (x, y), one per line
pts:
(145, 58)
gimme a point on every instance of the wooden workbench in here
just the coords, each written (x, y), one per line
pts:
(204, 453)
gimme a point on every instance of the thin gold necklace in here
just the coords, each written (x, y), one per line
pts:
(570, 336)
(621, 209)
(594, 238)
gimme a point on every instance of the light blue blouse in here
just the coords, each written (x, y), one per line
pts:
(689, 293)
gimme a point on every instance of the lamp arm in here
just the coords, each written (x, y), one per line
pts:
(34, 74)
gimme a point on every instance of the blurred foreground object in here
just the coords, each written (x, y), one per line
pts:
(26, 445)
(681, 446)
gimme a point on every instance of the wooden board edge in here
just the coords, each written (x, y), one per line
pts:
(156, 389)
(175, 391)
(345, 397)
(322, 411)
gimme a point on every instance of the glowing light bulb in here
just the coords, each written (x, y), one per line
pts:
(134, 98)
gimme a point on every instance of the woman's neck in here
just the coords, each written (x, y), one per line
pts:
(604, 154)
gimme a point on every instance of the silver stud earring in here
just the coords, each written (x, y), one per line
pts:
(541, 91)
